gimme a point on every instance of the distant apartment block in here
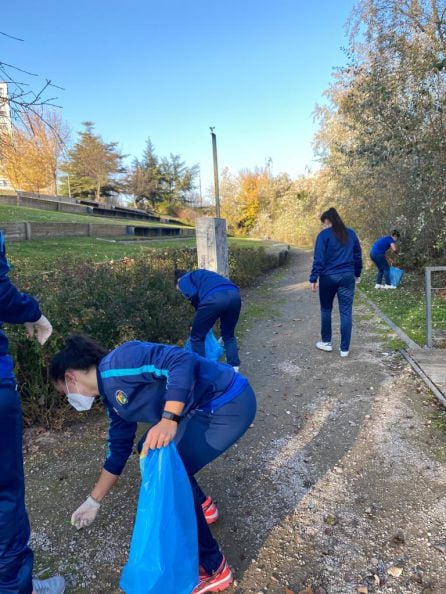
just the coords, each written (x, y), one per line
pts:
(5, 125)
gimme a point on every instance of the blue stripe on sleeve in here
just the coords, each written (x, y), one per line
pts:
(134, 371)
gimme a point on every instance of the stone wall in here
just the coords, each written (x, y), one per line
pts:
(45, 204)
(41, 230)
(87, 207)
(52, 197)
(14, 231)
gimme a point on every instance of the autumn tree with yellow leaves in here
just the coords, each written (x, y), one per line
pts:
(242, 198)
(31, 152)
(259, 204)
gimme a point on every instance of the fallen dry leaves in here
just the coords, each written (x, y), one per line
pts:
(395, 571)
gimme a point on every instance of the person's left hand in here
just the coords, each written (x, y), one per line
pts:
(160, 435)
(41, 329)
(313, 287)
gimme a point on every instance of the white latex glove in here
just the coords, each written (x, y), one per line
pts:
(86, 513)
(41, 329)
(358, 280)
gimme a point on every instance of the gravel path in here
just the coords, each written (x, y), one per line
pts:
(339, 487)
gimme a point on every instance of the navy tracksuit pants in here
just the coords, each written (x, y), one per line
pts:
(383, 266)
(224, 305)
(342, 285)
(16, 558)
(202, 437)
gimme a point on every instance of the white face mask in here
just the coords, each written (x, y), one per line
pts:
(79, 401)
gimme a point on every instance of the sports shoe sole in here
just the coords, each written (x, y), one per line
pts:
(212, 518)
(210, 511)
(219, 586)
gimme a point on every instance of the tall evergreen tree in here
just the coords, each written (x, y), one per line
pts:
(94, 166)
(177, 181)
(144, 179)
(164, 183)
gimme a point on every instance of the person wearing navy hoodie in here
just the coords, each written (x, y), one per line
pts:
(214, 297)
(16, 557)
(205, 407)
(337, 264)
(378, 257)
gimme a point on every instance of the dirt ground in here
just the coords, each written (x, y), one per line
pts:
(339, 487)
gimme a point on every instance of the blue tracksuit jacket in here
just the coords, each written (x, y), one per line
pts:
(332, 257)
(15, 308)
(199, 284)
(381, 245)
(137, 378)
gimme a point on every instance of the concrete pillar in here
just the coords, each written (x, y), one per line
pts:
(28, 231)
(89, 230)
(212, 244)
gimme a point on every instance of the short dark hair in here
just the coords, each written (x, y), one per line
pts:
(79, 352)
(396, 233)
(179, 272)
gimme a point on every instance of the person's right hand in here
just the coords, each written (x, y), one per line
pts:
(313, 287)
(160, 435)
(86, 513)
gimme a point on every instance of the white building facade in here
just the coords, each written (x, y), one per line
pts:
(5, 125)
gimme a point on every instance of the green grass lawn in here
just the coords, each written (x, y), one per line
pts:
(12, 214)
(39, 254)
(406, 306)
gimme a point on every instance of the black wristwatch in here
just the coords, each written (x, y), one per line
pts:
(171, 416)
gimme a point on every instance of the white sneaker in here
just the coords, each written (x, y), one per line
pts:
(324, 346)
(236, 369)
(377, 286)
(54, 585)
(389, 287)
(344, 353)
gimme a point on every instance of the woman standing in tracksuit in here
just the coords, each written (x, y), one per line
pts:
(205, 407)
(337, 263)
(214, 297)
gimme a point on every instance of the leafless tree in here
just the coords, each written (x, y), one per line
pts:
(27, 91)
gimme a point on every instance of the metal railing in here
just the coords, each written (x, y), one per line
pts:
(435, 298)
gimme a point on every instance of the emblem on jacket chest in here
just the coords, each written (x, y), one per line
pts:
(121, 397)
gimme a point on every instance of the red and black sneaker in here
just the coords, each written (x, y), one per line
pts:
(210, 510)
(220, 580)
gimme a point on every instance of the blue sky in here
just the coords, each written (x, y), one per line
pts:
(169, 69)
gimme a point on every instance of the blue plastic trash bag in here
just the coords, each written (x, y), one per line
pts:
(163, 556)
(396, 274)
(212, 347)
